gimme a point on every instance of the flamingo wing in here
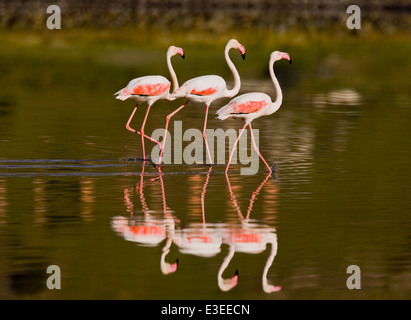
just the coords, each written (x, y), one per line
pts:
(201, 86)
(245, 104)
(145, 86)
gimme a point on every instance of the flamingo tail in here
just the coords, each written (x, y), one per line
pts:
(123, 94)
(224, 112)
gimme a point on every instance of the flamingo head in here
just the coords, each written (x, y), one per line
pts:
(278, 55)
(228, 284)
(270, 288)
(234, 44)
(167, 268)
(172, 50)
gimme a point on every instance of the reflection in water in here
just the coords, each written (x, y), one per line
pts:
(26, 250)
(337, 97)
(252, 237)
(150, 229)
(202, 239)
(205, 240)
(82, 190)
(3, 203)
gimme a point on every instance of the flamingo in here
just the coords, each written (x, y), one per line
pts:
(204, 240)
(149, 230)
(252, 237)
(206, 89)
(150, 89)
(253, 105)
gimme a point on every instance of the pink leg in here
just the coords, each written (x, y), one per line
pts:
(233, 198)
(234, 146)
(205, 135)
(203, 193)
(254, 196)
(163, 193)
(134, 130)
(165, 131)
(142, 131)
(140, 191)
(256, 149)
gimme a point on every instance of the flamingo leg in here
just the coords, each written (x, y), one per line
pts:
(165, 130)
(163, 194)
(256, 149)
(254, 196)
(203, 192)
(234, 199)
(142, 131)
(205, 135)
(234, 146)
(134, 130)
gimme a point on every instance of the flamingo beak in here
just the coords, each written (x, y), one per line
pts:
(180, 51)
(173, 267)
(242, 51)
(286, 56)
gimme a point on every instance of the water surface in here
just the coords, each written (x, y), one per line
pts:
(75, 193)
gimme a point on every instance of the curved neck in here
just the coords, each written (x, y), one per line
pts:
(266, 286)
(226, 284)
(172, 73)
(279, 93)
(270, 258)
(237, 81)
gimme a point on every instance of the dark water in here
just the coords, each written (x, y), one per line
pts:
(74, 192)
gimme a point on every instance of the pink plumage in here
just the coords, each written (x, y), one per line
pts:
(206, 89)
(149, 89)
(253, 105)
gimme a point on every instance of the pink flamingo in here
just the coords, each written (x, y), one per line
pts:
(206, 89)
(253, 105)
(251, 237)
(150, 229)
(150, 89)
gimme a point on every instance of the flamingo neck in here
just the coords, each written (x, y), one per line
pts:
(269, 262)
(279, 93)
(226, 284)
(172, 73)
(237, 81)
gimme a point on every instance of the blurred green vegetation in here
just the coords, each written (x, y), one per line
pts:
(86, 58)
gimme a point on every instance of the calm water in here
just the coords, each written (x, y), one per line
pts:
(74, 192)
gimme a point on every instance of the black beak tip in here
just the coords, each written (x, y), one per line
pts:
(177, 262)
(183, 56)
(236, 272)
(243, 55)
(290, 61)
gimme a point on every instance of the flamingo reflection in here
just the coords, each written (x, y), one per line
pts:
(251, 237)
(200, 238)
(205, 240)
(151, 229)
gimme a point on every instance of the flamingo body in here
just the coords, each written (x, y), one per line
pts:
(145, 89)
(253, 105)
(247, 106)
(206, 89)
(150, 89)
